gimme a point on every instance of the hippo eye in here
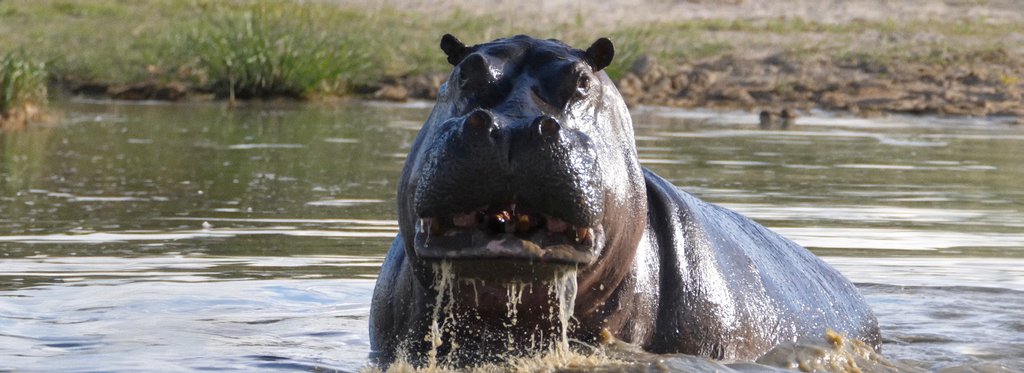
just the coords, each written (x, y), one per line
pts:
(582, 84)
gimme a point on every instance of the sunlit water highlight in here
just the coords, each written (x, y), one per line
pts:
(190, 237)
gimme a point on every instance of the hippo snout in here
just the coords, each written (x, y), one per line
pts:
(495, 185)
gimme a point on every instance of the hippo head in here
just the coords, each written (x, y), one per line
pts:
(527, 162)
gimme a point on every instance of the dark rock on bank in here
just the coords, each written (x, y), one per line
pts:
(148, 90)
(172, 91)
(402, 88)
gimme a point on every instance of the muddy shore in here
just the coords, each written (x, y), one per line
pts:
(770, 83)
(778, 82)
(937, 64)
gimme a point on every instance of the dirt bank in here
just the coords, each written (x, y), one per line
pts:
(779, 81)
(859, 56)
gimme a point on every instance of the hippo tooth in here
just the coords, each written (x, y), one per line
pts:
(556, 225)
(582, 235)
(424, 223)
(523, 223)
(574, 234)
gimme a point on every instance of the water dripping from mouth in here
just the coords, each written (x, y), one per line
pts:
(444, 278)
(563, 287)
(514, 296)
(451, 320)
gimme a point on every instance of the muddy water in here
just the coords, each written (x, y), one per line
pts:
(191, 237)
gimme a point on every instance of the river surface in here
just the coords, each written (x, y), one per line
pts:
(155, 237)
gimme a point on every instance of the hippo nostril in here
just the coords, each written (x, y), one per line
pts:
(479, 120)
(548, 126)
(478, 123)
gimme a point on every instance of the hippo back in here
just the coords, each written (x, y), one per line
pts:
(733, 289)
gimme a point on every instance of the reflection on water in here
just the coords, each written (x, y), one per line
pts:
(188, 237)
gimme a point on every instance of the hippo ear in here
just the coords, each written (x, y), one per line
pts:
(454, 48)
(600, 54)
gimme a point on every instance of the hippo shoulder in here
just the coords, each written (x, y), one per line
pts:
(394, 305)
(732, 288)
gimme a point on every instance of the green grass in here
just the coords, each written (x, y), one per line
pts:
(22, 82)
(101, 40)
(264, 48)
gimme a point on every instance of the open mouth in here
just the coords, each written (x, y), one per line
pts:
(505, 232)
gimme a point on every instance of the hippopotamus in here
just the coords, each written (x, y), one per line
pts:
(525, 177)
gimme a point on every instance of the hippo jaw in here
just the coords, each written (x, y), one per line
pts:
(507, 233)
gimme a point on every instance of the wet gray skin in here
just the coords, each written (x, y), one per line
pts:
(527, 166)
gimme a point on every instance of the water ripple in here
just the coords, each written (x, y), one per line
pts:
(172, 235)
(868, 213)
(898, 239)
(265, 146)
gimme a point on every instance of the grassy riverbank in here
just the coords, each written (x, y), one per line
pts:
(266, 48)
(22, 89)
(170, 49)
